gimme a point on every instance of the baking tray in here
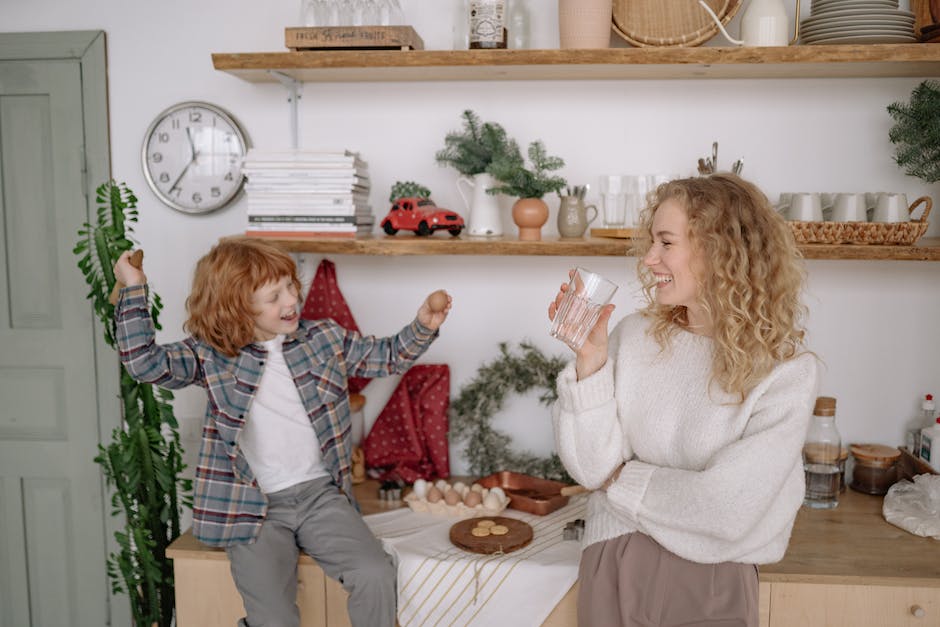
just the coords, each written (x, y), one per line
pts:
(527, 493)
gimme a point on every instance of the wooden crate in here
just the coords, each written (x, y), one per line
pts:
(352, 38)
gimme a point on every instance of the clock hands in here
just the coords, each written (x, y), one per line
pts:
(192, 159)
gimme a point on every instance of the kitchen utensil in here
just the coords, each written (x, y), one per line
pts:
(657, 23)
(764, 23)
(519, 535)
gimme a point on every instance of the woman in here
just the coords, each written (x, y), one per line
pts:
(688, 420)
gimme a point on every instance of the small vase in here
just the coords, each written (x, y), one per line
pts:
(530, 215)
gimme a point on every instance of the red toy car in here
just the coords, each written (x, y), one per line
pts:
(422, 216)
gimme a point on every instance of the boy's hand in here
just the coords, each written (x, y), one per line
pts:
(434, 309)
(128, 270)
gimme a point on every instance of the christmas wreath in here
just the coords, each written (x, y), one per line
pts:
(488, 450)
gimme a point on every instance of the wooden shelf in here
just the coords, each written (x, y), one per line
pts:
(844, 61)
(927, 249)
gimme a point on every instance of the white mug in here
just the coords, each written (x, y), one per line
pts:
(802, 207)
(849, 207)
(891, 208)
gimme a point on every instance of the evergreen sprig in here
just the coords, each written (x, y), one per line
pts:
(916, 132)
(143, 461)
(487, 449)
(472, 149)
(522, 182)
(408, 189)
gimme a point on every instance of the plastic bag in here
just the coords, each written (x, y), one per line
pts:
(915, 507)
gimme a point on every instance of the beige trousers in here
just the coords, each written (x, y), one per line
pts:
(631, 581)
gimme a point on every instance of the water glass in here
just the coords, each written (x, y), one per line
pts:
(614, 201)
(580, 307)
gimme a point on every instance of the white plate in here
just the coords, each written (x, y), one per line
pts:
(865, 39)
(837, 5)
(859, 32)
(888, 13)
(907, 28)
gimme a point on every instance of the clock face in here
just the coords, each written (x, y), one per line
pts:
(192, 157)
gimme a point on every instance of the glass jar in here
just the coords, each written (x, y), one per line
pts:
(876, 468)
(821, 453)
(487, 24)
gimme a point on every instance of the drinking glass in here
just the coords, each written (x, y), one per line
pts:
(580, 307)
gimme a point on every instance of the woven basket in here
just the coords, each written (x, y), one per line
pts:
(663, 23)
(890, 233)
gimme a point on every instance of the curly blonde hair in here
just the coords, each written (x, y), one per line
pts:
(219, 305)
(751, 282)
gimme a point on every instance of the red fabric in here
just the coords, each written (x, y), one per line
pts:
(409, 438)
(324, 300)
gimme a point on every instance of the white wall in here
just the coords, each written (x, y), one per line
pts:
(873, 323)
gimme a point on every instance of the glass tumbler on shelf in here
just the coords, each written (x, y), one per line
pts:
(613, 200)
(822, 451)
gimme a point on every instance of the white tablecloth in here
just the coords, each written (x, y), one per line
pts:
(440, 584)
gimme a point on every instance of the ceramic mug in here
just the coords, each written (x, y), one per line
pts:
(849, 207)
(801, 207)
(891, 208)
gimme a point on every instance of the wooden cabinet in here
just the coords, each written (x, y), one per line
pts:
(820, 605)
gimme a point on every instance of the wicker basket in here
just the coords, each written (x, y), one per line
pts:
(663, 23)
(890, 233)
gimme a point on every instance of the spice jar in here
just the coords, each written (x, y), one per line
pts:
(876, 468)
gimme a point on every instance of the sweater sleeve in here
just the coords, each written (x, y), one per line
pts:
(588, 434)
(749, 491)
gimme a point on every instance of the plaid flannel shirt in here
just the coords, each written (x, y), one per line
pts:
(228, 505)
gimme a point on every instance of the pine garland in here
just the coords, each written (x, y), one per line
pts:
(916, 133)
(487, 449)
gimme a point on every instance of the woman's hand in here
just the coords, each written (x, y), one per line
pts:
(434, 309)
(126, 273)
(593, 353)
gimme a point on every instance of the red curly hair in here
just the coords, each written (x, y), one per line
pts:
(225, 280)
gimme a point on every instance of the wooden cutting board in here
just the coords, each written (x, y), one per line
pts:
(519, 535)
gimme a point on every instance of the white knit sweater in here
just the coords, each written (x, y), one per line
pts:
(710, 479)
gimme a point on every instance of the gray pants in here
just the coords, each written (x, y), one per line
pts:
(318, 519)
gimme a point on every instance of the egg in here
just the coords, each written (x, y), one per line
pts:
(476, 487)
(451, 497)
(492, 502)
(420, 488)
(434, 495)
(472, 499)
(461, 488)
(441, 485)
(498, 491)
(437, 301)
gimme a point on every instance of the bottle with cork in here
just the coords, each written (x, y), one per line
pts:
(822, 452)
(915, 426)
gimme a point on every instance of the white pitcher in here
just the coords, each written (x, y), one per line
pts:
(764, 23)
(485, 219)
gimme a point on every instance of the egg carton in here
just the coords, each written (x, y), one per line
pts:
(456, 501)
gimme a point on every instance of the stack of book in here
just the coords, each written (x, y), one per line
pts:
(301, 193)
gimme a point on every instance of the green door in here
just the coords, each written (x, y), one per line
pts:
(52, 510)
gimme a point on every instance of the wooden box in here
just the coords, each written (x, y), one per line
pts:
(352, 38)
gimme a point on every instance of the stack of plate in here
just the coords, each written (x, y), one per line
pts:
(857, 22)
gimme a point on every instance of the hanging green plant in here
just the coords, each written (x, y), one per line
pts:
(471, 413)
(143, 461)
(916, 132)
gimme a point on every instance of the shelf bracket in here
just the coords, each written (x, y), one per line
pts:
(293, 87)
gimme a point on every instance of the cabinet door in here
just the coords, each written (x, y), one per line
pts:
(812, 605)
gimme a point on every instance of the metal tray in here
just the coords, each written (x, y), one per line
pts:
(527, 493)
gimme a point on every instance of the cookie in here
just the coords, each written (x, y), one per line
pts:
(485, 523)
(480, 532)
(499, 530)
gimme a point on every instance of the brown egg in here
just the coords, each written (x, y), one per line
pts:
(434, 495)
(472, 499)
(451, 497)
(437, 301)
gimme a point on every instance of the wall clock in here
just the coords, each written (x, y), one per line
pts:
(192, 157)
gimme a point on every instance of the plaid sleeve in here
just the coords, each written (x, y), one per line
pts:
(369, 356)
(169, 365)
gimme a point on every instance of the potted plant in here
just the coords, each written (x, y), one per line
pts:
(143, 461)
(916, 134)
(471, 151)
(528, 184)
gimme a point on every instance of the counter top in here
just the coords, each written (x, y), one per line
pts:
(851, 544)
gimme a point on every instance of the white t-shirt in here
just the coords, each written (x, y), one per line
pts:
(278, 440)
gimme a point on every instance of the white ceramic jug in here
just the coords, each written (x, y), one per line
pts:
(764, 23)
(485, 219)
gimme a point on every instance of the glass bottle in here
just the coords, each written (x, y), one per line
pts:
(487, 24)
(821, 452)
(518, 25)
(461, 28)
(925, 419)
